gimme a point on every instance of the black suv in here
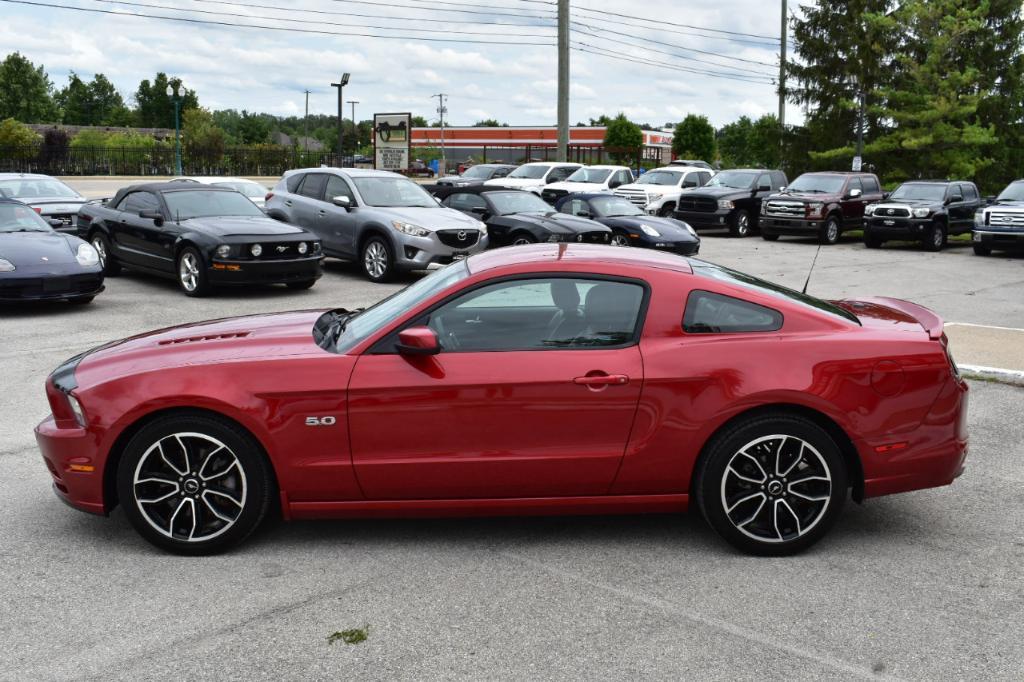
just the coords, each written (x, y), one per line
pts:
(731, 199)
(820, 205)
(922, 210)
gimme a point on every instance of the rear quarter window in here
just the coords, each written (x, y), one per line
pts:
(710, 313)
(292, 182)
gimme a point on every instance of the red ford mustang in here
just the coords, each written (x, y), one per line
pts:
(543, 379)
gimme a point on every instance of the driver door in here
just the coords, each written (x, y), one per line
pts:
(532, 395)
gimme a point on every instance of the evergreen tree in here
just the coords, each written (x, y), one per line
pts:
(108, 107)
(26, 92)
(154, 109)
(694, 138)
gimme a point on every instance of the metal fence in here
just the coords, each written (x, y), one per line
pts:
(160, 160)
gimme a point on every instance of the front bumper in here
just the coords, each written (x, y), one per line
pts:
(237, 272)
(419, 253)
(998, 239)
(50, 287)
(68, 453)
(896, 228)
(720, 218)
(796, 226)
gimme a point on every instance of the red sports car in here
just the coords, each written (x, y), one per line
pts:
(546, 379)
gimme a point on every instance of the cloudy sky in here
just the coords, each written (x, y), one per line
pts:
(648, 69)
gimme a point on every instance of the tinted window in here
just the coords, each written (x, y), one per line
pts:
(703, 177)
(140, 201)
(852, 185)
(575, 206)
(465, 202)
(778, 179)
(204, 203)
(691, 180)
(336, 187)
(709, 313)
(541, 314)
(292, 182)
(764, 182)
(313, 186)
(559, 174)
(955, 193)
(970, 191)
(870, 185)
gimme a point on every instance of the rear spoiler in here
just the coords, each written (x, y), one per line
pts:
(931, 322)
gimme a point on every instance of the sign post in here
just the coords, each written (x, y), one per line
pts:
(392, 141)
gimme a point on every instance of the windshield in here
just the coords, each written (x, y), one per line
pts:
(18, 218)
(29, 188)
(395, 306)
(605, 207)
(517, 202)
(818, 184)
(733, 179)
(731, 276)
(249, 189)
(386, 192)
(1013, 192)
(660, 178)
(916, 191)
(200, 203)
(530, 172)
(594, 176)
(478, 172)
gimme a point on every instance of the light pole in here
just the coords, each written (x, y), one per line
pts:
(176, 93)
(441, 111)
(341, 135)
(355, 126)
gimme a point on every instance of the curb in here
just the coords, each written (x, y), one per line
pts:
(1004, 376)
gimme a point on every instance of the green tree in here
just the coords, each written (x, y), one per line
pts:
(254, 128)
(154, 109)
(419, 122)
(108, 106)
(622, 138)
(734, 142)
(489, 123)
(75, 102)
(26, 93)
(765, 150)
(14, 134)
(694, 138)
(202, 140)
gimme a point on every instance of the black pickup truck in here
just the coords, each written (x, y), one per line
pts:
(732, 199)
(820, 205)
(200, 235)
(923, 210)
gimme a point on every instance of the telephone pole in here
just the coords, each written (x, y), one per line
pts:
(441, 111)
(355, 127)
(305, 125)
(783, 36)
(563, 81)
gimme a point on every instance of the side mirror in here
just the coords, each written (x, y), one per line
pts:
(782, 189)
(418, 341)
(156, 216)
(764, 188)
(56, 223)
(479, 210)
(885, 195)
(342, 201)
(584, 214)
(614, 183)
(855, 193)
(954, 199)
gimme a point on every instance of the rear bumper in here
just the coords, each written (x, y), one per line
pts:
(63, 449)
(265, 272)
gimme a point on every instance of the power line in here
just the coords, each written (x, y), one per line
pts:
(434, 3)
(663, 22)
(758, 42)
(211, 22)
(590, 49)
(390, 3)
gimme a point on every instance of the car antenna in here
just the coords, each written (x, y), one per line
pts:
(813, 262)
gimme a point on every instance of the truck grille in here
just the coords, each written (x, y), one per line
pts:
(635, 196)
(697, 204)
(458, 239)
(552, 195)
(1003, 219)
(892, 212)
(789, 209)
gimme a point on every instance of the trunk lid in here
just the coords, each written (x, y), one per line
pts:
(895, 314)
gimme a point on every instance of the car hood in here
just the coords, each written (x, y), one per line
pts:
(808, 197)
(439, 218)
(667, 227)
(571, 187)
(226, 226)
(559, 223)
(912, 203)
(54, 204)
(230, 339)
(715, 192)
(515, 183)
(27, 249)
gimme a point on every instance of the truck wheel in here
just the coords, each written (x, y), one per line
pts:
(739, 226)
(935, 237)
(829, 233)
(667, 209)
(871, 241)
(982, 250)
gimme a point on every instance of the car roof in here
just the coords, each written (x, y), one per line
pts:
(598, 255)
(209, 179)
(604, 166)
(171, 186)
(29, 176)
(552, 163)
(351, 172)
(843, 173)
(5, 200)
(480, 189)
(932, 182)
(590, 195)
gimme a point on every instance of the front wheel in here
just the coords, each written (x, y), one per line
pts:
(194, 483)
(523, 238)
(378, 263)
(667, 210)
(935, 237)
(769, 237)
(829, 233)
(304, 284)
(772, 485)
(871, 241)
(739, 226)
(192, 277)
(982, 250)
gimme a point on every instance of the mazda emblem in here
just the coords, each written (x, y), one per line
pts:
(462, 235)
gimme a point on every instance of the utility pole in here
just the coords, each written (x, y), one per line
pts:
(859, 160)
(563, 81)
(783, 38)
(341, 135)
(441, 111)
(355, 127)
(305, 125)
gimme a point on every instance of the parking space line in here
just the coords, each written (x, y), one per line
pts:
(983, 326)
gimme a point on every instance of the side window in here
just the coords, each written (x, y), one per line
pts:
(337, 187)
(625, 177)
(293, 181)
(710, 313)
(764, 183)
(541, 314)
(703, 177)
(463, 201)
(970, 191)
(313, 186)
(691, 180)
(574, 206)
(870, 185)
(955, 192)
(501, 172)
(778, 179)
(559, 174)
(852, 184)
(136, 202)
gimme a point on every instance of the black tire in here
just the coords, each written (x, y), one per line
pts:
(81, 300)
(830, 231)
(191, 275)
(620, 239)
(667, 210)
(871, 241)
(934, 238)
(764, 518)
(982, 250)
(231, 486)
(109, 263)
(769, 237)
(304, 284)
(377, 260)
(740, 223)
(522, 238)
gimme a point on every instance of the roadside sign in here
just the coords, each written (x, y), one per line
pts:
(857, 163)
(392, 141)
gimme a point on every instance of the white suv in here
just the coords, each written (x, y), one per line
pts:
(657, 191)
(588, 179)
(534, 176)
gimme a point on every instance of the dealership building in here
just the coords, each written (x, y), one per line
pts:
(520, 144)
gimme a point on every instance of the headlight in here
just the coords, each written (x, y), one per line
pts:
(922, 212)
(649, 231)
(256, 250)
(410, 229)
(223, 251)
(979, 219)
(764, 208)
(6, 265)
(654, 197)
(303, 248)
(86, 256)
(815, 209)
(868, 210)
(76, 407)
(726, 204)
(689, 228)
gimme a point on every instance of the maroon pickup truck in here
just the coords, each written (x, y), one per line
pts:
(821, 205)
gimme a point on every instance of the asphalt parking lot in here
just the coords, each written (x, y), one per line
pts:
(925, 585)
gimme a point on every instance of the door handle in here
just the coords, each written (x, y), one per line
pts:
(288, 203)
(602, 380)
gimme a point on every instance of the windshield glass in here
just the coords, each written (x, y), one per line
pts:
(249, 189)
(478, 172)
(731, 276)
(29, 188)
(18, 218)
(518, 202)
(818, 184)
(1013, 192)
(530, 172)
(733, 179)
(589, 175)
(395, 306)
(660, 178)
(613, 206)
(386, 192)
(199, 203)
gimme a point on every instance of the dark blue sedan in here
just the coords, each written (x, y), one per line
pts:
(630, 225)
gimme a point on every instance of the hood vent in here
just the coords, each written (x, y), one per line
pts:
(210, 337)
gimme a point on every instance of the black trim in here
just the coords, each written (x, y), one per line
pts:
(690, 297)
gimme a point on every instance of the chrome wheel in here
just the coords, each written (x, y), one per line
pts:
(101, 250)
(375, 259)
(189, 487)
(937, 237)
(188, 271)
(742, 224)
(832, 232)
(620, 240)
(521, 241)
(776, 488)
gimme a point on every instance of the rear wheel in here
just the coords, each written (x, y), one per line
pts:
(772, 485)
(829, 233)
(523, 238)
(108, 262)
(935, 237)
(982, 250)
(667, 210)
(769, 237)
(378, 263)
(739, 226)
(81, 300)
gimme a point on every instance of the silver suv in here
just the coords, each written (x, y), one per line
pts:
(383, 219)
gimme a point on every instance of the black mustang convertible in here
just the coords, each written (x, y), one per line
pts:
(202, 236)
(38, 263)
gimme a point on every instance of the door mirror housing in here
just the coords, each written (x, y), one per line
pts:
(156, 216)
(855, 194)
(56, 223)
(954, 199)
(480, 211)
(584, 213)
(342, 201)
(764, 188)
(418, 341)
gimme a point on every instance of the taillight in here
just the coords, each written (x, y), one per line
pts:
(37, 209)
(949, 356)
(270, 195)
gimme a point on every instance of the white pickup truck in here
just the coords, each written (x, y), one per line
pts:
(657, 191)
